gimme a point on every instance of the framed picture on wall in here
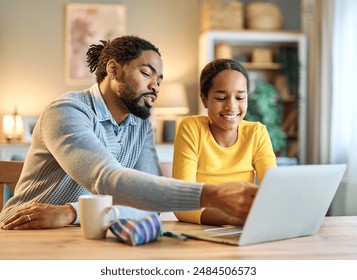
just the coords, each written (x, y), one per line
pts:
(29, 125)
(87, 24)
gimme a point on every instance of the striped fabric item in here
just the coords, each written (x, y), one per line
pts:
(139, 232)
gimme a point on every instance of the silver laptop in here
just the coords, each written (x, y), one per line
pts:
(292, 201)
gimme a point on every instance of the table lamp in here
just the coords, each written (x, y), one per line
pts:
(12, 127)
(171, 102)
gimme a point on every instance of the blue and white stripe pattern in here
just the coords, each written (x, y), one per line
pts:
(139, 232)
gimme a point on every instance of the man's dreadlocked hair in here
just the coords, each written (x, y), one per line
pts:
(122, 49)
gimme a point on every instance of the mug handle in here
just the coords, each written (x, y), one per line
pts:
(116, 218)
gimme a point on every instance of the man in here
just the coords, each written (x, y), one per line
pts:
(100, 141)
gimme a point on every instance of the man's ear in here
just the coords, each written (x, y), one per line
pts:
(204, 100)
(113, 68)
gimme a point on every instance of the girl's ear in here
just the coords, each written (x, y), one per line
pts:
(204, 100)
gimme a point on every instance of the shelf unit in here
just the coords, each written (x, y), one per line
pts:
(242, 42)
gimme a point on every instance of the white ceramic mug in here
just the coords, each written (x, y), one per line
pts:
(94, 213)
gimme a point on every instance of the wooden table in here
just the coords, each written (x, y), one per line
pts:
(337, 239)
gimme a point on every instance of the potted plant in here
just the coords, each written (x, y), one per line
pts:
(265, 106)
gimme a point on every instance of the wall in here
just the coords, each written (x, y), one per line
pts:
(32, 46)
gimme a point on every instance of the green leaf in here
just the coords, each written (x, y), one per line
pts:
(265, 106)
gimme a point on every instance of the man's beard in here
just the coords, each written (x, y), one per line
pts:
(132, 104)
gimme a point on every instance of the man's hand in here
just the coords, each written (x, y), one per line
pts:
(235, 199)
(39, 216)
(215, 216)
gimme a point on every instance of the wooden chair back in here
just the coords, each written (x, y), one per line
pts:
(10, 172)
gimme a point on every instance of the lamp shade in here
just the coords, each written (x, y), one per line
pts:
(12, 126)
(172, 99)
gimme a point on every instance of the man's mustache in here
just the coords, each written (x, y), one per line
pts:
(148, 93)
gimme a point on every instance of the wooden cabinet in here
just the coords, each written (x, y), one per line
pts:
(277, 58)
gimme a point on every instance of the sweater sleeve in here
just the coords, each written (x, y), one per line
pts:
(185, 161)
(67, 132)
(264, 156)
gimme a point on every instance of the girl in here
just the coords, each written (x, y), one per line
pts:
(221, 147)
